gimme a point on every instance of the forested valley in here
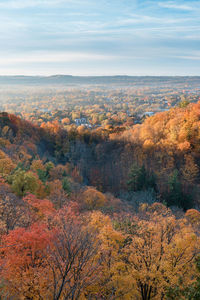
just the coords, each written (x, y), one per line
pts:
(105, 213)
(99, 150)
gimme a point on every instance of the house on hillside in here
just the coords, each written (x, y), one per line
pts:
(81, 121)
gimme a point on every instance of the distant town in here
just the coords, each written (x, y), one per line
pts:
(93, 102)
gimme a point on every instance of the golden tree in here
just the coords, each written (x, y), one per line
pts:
(160, 254)
(93, 199)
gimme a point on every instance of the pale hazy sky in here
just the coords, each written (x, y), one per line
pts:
(99, 37)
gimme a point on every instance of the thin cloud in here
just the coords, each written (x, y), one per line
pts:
(145, 19)
(95, 36)
(20, 4)
(189, 57)
(52, 57)
(177, 6)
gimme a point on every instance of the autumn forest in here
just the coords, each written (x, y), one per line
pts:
(105, 207)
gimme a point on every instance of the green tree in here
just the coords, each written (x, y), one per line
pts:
(42, 174)
(49, 166)
(66, 185)
(175, 196)
(137, 177)
(140, 179)
(183, 104)
(23, 182)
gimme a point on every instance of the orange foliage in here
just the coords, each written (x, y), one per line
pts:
(57, 194)
(40, 209)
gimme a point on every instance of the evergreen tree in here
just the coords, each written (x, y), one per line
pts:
(140, 179)
(66, 185)
(175, 196)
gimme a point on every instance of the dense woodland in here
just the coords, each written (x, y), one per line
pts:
(107, 213)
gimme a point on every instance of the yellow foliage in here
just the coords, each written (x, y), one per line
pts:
(193, 216)
(93, 199)
(190, 170)
(160, 253)
(37, 165)
(6, 165)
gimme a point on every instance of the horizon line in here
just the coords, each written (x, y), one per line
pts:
(114, 75)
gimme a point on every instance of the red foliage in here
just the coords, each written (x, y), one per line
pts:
(41, 209)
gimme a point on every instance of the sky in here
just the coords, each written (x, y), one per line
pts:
(99, 37)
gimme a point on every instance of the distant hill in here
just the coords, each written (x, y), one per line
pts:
(99, 80)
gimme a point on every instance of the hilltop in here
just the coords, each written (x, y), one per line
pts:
(120, 80)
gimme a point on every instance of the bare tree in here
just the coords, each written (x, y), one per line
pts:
(73, 261)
